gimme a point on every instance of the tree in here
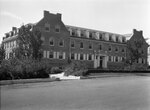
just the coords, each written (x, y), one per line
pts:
(29, 43)
(2, 53)
(133, 54)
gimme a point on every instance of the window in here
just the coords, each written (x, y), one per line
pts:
(116, 59)
(57, 28)
(51, 42)
(123, 50)
(90, 46)
(82, 34)
(90, 35)
(117, 39)
(47, 27)
(72, 56)
(51, 55)
(90, 57)
(142, 60)
(137, 61)
(81, 45)
(110, 38)
(61, 43)
(109, 48)
(73, 33)
(60, 55)
(81, 56)
(109, 58)
(123, 59)
(116, 49)
(72, 44)
(142, 51)
(100, 47)
(100, 36)
(123, 39)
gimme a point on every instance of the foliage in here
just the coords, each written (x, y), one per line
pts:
(29, 43)
(76, 68)
(2, 53)
(136, 67)
(23, 69)
(133, 53)
(55, 70)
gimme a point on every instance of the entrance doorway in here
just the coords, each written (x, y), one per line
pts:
(101, 62)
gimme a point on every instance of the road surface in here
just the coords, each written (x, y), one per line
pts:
(113, 93)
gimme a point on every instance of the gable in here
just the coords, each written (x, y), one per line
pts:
(137, 39)
(54, 20)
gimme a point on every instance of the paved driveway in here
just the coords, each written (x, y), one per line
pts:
(113, 93)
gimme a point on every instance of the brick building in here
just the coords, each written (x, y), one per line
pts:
(63, 43)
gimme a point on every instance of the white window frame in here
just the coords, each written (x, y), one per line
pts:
(52, 40)
(61, 41)
(57, 27)
(47, 25)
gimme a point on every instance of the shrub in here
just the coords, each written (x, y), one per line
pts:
(136, 67)
(23, 69)
(76, 69)
(55, 70)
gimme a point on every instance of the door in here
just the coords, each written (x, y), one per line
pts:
(101, 62)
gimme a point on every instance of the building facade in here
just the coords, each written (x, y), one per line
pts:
(63, 43)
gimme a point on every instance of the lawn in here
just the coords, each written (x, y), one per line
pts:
(111, 93)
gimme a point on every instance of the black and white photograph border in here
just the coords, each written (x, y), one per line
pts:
(74, 54)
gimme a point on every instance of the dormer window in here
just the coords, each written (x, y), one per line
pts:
(123, 39)
(73, 33)
(100, 36)
(90, 35)
(47, 27)
(117, 39)
(82, 34)
(57, 28)
(110, 38)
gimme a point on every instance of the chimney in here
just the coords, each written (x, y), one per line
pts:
(59, 16)
(134, 31)
(46, 13)
(7, 35)
(3, 38)
(14, 29)
(141, 32)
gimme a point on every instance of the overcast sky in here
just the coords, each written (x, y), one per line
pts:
(117, 16)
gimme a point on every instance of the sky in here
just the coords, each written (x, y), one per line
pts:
(116, 16)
